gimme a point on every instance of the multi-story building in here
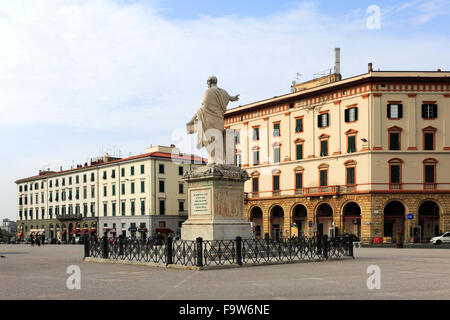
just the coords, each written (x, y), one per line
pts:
(9, 226)
(364, 155)
(144, 193)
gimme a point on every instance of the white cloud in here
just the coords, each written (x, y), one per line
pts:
(100, 65)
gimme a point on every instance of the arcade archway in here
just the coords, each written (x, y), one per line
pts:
(394, 220)
(256, 217)
(277, 222)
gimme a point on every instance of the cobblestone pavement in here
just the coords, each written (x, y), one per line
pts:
(40, 273)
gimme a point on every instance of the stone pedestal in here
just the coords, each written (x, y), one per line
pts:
(216, 204)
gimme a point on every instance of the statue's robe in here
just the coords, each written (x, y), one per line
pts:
(211, 114)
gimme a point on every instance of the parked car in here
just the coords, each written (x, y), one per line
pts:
(445, 238)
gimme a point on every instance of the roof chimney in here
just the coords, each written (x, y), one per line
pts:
(370, 67)
(337, 60)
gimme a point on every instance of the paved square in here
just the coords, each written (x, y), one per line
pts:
(40, 273)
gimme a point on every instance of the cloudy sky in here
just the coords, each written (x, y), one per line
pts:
(82, 77)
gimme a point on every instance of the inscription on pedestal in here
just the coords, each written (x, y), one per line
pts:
(200, 201)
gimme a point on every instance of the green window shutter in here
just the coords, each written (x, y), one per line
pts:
(298, 180)
(276, 183)
(324, 148)
(351, 144)
(350, 176)
(277, 155)
(323, 178)
(255, 186)
(394, 141)
(429, 141)
(299, 151)
(429, 174)
(395, 174)
(299, 125)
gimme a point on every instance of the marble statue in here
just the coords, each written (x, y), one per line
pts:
(208, 123)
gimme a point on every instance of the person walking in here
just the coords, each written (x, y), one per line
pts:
(32, 240)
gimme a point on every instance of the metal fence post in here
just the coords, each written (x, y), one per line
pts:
(121, 245)
(105, 247)
(86, 246)
(350, 246)
(239, 251)
(325, 246)
(169, 258)
(199, 243)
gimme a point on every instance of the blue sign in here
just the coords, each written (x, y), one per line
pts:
(410, 216)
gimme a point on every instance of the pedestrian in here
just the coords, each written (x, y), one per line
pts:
(32, 240)
(38, 240)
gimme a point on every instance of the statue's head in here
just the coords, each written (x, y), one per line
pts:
(211, 81)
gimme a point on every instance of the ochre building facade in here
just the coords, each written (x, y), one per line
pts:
(367, 155)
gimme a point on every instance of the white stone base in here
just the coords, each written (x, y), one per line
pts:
(213, 230)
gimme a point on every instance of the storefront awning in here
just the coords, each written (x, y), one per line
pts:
(91, 231)
(63, 232)
(19, 234)
(142, 229)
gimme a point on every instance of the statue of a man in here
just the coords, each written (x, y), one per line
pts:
(208, 122)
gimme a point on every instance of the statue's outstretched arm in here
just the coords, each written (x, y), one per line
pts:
(234, 98)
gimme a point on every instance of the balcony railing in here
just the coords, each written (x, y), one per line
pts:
(348, 189)
(322, 190)
(76, 216)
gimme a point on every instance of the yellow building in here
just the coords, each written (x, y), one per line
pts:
(357, 155)
(136, 196)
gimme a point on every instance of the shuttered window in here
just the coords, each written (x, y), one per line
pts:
(395, 111)
(299, 151)
(394, 141)
(255, 184)
(276, 155)
(429, 141)
(429, 111)
(323, 178)
(395, 174)
(276, 183)
(351, 176)
(429, 174)
(324, 148)
(351, 114)
(323, 120)
(351, 144)
(299, 180)
(299, 125)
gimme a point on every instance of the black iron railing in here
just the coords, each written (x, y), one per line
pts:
(219, 252)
